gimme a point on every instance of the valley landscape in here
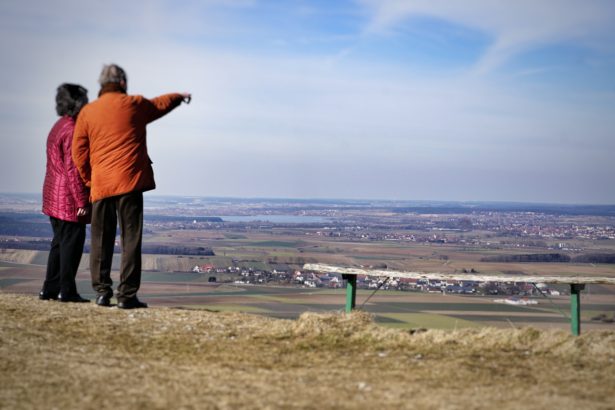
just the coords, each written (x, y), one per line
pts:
(247, 255)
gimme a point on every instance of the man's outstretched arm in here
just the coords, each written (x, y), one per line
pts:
(159, 106)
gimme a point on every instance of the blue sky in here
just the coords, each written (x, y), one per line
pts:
(467, 100)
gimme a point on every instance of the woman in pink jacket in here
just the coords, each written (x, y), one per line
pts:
(65, 200)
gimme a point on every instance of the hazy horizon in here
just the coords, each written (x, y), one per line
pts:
(390, 99)
(152, 195)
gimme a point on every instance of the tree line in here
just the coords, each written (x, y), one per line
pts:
(552, 258)
(44, 245)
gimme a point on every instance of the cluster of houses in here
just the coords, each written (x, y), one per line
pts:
(312, 280)
(208, 268)
(461, 287)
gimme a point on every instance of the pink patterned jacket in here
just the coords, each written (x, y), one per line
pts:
(63, 191)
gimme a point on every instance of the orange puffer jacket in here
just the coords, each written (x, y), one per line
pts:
(109, 144)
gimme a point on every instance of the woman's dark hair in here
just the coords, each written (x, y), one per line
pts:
(70, 99)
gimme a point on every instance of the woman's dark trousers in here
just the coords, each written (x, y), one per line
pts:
(64, 257)
(128, 210)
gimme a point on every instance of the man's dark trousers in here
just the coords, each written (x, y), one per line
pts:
(64, 257)
(128, 209)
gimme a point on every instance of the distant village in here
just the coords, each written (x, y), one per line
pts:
(306, 279)
(479, 229)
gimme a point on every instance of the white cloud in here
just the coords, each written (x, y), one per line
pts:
(516, 26)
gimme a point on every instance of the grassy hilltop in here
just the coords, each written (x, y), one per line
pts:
(55, 355)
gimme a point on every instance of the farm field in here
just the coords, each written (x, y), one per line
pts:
(396, 309)
(282, 247)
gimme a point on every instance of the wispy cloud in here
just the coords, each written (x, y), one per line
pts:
(515, 26)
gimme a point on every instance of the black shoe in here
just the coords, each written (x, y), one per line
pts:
(132, 303)
(43, 295)
(103, 300)
(76, 298)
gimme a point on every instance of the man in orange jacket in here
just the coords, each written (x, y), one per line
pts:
(110, 151)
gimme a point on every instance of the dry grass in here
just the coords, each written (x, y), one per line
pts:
(55, 355)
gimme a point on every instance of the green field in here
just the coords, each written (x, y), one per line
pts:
(427, 321)
(226, 308)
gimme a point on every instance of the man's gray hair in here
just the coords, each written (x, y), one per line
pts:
(112, 73)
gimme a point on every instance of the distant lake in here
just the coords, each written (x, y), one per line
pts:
(279, 219)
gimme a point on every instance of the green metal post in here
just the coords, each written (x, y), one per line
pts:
(575, 307)
(351, 291)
